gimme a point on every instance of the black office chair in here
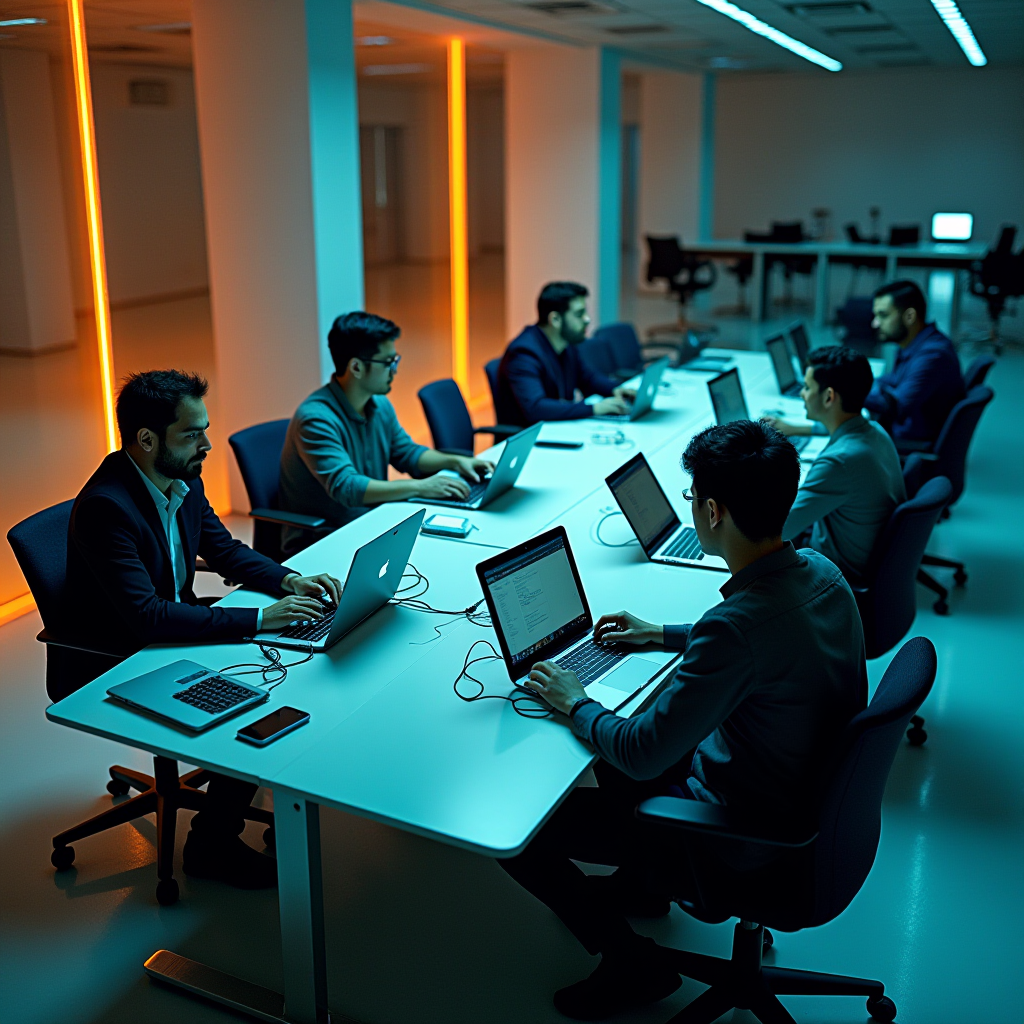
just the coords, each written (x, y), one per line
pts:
(905, 234)
(258, 454)
(742, 269)
(997, 277)
(623, 352)
(789, 232)
(40, 545)
(975, 374)
(683, 272)
(451, 428)
(855, 316)
(823, 869)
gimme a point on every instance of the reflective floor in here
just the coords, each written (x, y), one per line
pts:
(419, 932)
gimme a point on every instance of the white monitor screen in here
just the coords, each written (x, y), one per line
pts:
(952, 227)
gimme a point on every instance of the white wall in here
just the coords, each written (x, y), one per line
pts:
(485, 159)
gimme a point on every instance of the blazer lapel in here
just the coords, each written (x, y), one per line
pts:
(142, 500)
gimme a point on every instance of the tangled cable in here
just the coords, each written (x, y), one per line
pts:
(617, 438)
(606, 515)
(534, 705)
(416, 603)
(274, 673)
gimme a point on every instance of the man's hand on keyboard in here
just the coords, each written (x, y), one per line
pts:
(473, 470)
(293, 608)
(561, 689)
(627, 628)
(324, 585)
(441, 485)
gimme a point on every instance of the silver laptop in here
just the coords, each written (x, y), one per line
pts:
(801, 343)
(645, 392)
(372, 580)
(506, 473)
(782, 364)
(653, 519)
(729, 403)
(188, 695)
(540, 612)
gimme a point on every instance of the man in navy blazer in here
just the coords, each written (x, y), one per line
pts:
(542, 377)
(135, 531)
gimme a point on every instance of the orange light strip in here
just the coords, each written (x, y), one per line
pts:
(97, 259)
(458, 212)
(15, 608)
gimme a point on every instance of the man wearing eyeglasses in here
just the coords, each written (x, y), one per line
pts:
(342, 438)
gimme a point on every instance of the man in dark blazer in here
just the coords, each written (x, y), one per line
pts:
(542, 377)
(135, 531)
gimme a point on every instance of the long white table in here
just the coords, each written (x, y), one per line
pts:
(388, 738)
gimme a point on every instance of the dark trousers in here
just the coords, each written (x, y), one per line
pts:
(226, 801)
(599, 826)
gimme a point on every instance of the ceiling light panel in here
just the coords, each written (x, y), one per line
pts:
(948, 11)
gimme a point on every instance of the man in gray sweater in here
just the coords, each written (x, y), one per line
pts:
(853, 486)
(342, 438)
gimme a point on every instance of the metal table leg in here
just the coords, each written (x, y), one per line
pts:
(758, 302)
(821, 290)
(890, 267)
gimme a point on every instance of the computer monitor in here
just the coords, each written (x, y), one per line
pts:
(952, 227)
(782, 364)
(727, 397)
(800, 342)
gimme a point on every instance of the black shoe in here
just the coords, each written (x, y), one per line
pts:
(619, 984)
(628, 895)
(228, 860)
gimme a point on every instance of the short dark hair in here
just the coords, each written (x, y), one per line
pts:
(358, 335)
(555, 297)
(151, 399)
(905, 295)
(751, 469)
(846, 371)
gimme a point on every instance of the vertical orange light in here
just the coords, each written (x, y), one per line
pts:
(97, 259)
(458, 213)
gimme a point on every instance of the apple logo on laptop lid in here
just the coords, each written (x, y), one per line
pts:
(383, 569)
(512, 464)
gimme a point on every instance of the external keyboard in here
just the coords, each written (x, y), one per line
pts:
(685, 545)
(310, 632)
(214, 694)
(591, 660)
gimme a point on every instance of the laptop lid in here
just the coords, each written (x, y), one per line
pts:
(727, 397)
(801, 343)
(536, 600)
(782, 363)
(513, 458)
(643, 502)
(648, 389)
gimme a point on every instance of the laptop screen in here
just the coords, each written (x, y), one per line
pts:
(801, 346)
(643, 502)
(727, 397)
(781, 362)
(534, 597)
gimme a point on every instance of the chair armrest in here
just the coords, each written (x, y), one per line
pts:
(45, 637)
(500, 431)
(906, 447)
(296, 519)
(464, 452)
(713, 819)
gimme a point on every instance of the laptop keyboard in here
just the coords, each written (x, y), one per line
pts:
(800, 441)
(685, 545)
(591, 660)
(214, 694)
(310, 632)
(475, 491)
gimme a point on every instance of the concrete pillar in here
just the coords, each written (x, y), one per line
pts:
(36, 302)
(278, 137)
(562, 186)
(706, 229)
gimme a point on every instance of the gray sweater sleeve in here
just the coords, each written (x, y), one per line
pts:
(405, 452)
(826, 487)
(320, 443)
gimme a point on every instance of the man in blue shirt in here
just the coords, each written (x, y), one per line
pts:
(913, 401)
(542, 377)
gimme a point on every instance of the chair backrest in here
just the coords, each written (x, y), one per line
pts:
(975, 374)
(851, 816)
(907, 234)
(598, 354)
(447, 416)
(853, 234)
(665, 257)
(889, 606)
(624, 344)
(787, 231)
(258, 452)
(491, 371)
(955, 438)
(40, 545)
(1007, 236)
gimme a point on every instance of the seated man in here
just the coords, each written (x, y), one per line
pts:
(342, 438)
(542, 377)
(853, 486)
(913, 401)
(136, 528)
(768, 679)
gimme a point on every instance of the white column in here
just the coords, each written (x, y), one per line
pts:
(278, 136)
(36, 303)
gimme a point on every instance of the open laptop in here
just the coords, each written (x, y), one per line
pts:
(800, 342)
(645, 392)
(653, 519)
(782, 364)
(540, 612)
(373, 577)
(189, 695)
(513, 458)
(729, 404)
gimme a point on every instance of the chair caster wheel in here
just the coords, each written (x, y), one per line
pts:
(117, 787)
(882, 1008)
(916, 734)
(941, 608)
(62, 857)
(959, 577)
(167, 892)
(767, 941)
(269, 839)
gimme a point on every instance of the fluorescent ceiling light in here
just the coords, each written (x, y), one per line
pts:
(396, 69)
(957, 25)
(11, 22)
(952, 227)
(375, 40)
(756, 25)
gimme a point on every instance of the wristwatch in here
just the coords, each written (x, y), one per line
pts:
(577, 703)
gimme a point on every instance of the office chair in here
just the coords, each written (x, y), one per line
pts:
(975, 374)
(906, 234)
(258, 454)
(451, 429)
(627, 354)
(823, 869)
(859, 263)
(683, 272)
(997, 277)
(855, 316)
(40, 545)
(787, 233)
(598, 355)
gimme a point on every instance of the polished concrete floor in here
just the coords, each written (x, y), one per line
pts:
(419, 932)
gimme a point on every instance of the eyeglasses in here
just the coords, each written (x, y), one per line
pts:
(391, 364)
(688, 494)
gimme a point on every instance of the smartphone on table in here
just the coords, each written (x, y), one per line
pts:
(273, 726)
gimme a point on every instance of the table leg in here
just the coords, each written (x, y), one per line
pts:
(954, 306)
(890, 267)
(758, 303)
(821, 291)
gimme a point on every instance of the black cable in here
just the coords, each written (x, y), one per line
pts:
(535, 705)
(275, 673)
(416, 602)
(605, 543)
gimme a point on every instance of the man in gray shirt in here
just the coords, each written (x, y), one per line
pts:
(769, 677)
(342, 438)
(853, 486)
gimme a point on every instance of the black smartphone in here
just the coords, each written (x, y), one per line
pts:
(558, 444)
(273, 726)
